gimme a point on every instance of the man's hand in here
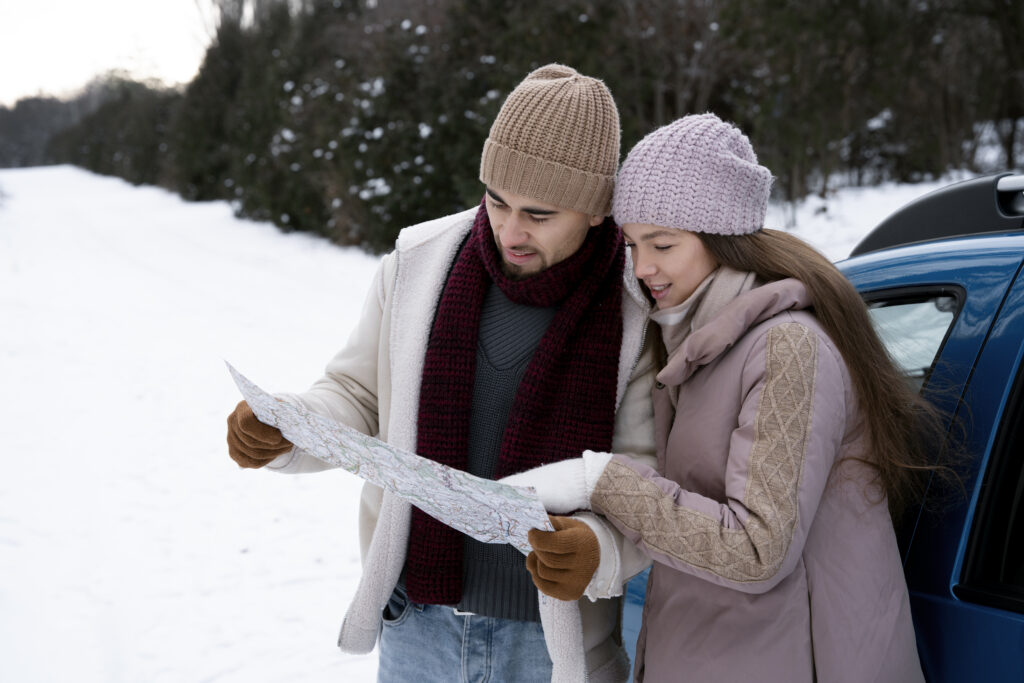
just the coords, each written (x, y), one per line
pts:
(564, 560)
(250, 442)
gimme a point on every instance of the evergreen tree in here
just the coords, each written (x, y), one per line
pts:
(125, 137)
(352, 119)
(199, 147)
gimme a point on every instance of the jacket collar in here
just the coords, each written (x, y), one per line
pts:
(720, 321)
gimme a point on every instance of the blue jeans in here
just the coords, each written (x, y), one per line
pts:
(433, 643)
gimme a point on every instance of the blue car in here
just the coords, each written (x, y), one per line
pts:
(943, 281)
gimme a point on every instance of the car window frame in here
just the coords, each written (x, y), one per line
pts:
(920, 292)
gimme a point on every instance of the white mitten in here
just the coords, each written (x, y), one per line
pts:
(564, 486)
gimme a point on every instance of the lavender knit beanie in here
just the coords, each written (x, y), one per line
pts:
(698, 173)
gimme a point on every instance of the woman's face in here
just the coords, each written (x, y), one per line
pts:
(671, 263)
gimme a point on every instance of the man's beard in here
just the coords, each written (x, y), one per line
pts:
(512, 271)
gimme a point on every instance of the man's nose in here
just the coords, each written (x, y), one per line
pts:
(512, 231)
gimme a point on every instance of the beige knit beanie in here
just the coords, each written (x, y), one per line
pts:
(556, 139)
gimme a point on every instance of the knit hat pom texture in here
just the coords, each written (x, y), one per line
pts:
(556, 139)
(697, 173)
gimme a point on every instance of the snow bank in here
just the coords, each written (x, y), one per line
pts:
(131, 547)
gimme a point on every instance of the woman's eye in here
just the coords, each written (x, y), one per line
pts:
(662, 247)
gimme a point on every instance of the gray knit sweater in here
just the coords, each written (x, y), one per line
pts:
(495, 580)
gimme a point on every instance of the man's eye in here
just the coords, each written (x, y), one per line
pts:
(538, 219)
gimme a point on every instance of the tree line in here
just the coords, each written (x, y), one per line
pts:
(354, 118)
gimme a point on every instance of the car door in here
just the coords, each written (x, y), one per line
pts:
(969, 614)
(962, 551)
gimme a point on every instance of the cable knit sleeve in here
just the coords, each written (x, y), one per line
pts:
(789, 429)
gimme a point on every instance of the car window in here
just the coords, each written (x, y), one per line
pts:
(913, 329)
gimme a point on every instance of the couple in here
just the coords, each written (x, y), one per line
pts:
(694, 390)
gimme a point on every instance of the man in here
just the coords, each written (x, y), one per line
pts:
(494, 340)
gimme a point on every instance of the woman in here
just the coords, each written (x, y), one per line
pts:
(782, 429)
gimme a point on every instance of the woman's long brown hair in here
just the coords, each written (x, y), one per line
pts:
(896, 416)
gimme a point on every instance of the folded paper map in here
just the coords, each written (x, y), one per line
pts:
(481, 508)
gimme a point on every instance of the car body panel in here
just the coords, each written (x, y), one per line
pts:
(975, 372)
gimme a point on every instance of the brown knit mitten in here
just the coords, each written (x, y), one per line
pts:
(250, 442)
(564, 560)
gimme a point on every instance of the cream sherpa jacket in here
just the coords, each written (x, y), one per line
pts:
(372, 385)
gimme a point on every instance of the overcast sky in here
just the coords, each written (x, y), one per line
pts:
(57, 46)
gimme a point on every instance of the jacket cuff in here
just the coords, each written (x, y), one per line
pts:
(608, 580)
(593, 467)
(297, 460)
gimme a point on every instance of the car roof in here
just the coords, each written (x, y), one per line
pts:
(989, 204)
(965, 246)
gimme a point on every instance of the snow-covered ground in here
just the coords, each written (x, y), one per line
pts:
(131, 547)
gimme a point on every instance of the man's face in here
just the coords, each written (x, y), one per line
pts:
(533, 235)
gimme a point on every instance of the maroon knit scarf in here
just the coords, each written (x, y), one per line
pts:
(565, 402)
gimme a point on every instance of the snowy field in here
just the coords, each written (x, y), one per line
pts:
(131, 547)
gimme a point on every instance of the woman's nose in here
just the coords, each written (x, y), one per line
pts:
(643, 267)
